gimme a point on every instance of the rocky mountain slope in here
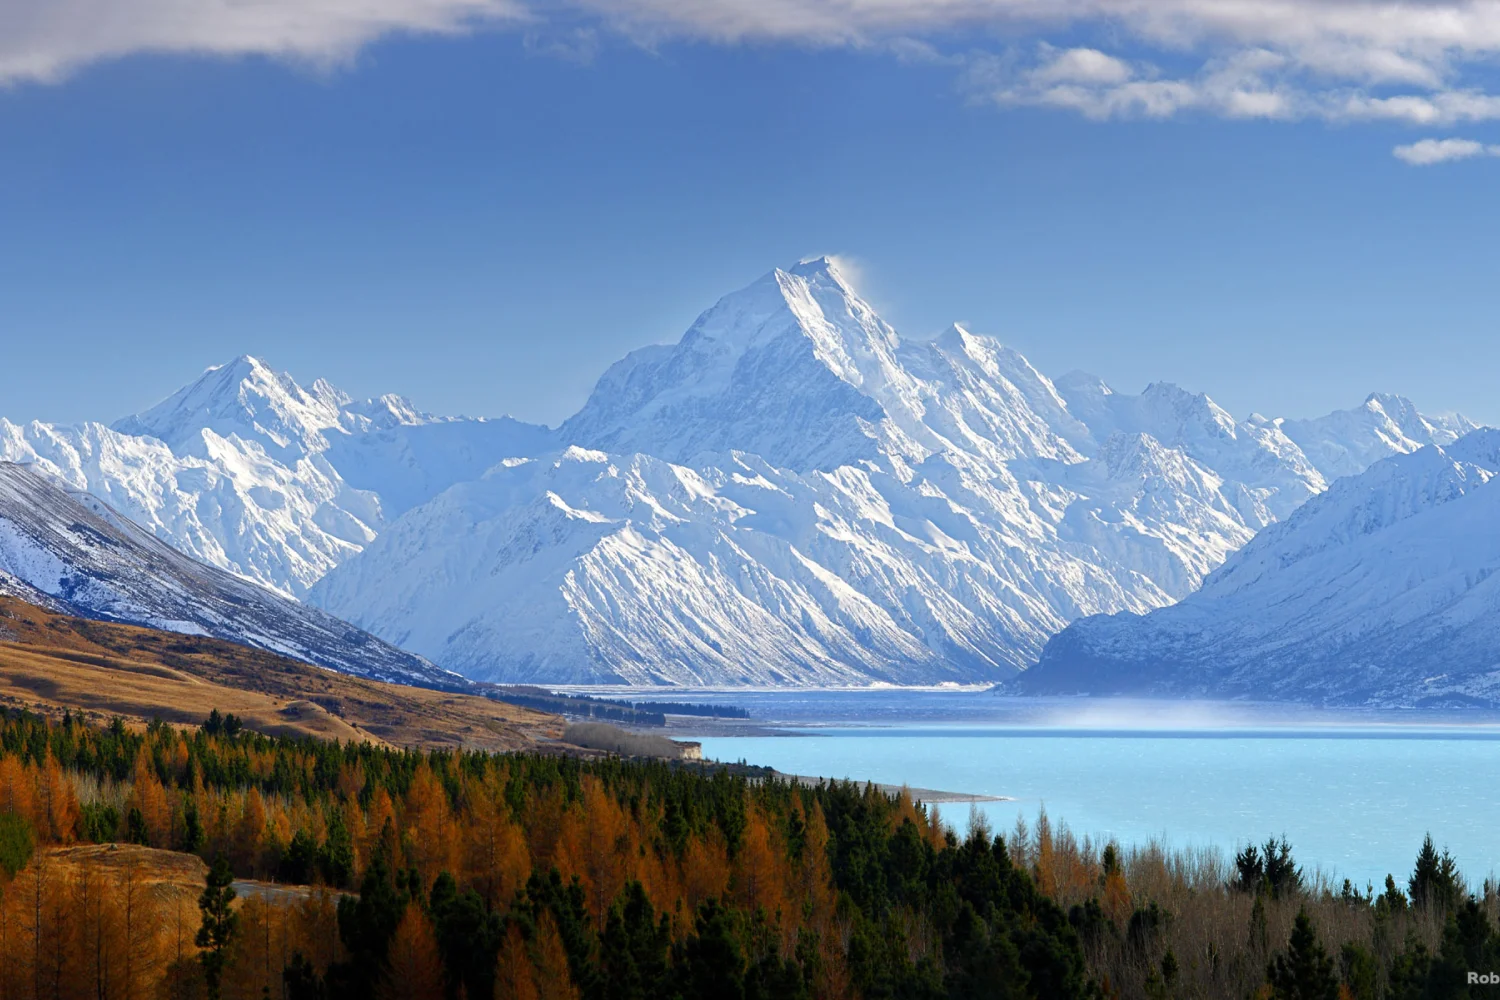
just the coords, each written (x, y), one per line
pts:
(1383, 590)
(70, 553)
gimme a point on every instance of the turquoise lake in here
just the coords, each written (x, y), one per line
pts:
(1354, 793)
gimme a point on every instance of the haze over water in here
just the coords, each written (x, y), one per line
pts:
(1353, 792)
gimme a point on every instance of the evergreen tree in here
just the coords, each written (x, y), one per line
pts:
(301, 981)
(1260, 934)
(1360, 972)
(300, 861)
(634, 948)
(192, 829)
(1283, 876)
(468, 937)
(1304, 971)
(1409, 972)
(1250, 869)
(17, 840)
(711, 960)
(336, 859)
(219, 923)
(1110, 862)
(1393, 900)
(1434, 882)
(366, 926)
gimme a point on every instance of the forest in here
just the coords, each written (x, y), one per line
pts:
(218, 862)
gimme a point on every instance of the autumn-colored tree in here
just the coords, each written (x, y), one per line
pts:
(99, 946)
(58, 801)
(56, 944)
(430, 837)
(149, 799)
(13, 951)
(379, 830)
(17, 787)
(142, 918)
(315, 928)
(594, 846)
(496, 859)
(705, 869)
(760, 874)
(553, 979)
(249, 833)
(258, 954)
(544, 821)
(515, 979)
(414, 966)
(1117, 903)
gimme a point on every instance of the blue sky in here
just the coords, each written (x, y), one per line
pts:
(486, 218)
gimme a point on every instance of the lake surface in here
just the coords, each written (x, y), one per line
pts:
(1353, 792)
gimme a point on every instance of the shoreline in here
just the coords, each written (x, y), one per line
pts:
(927, 796)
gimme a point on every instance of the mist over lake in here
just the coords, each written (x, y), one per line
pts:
(1354, 792)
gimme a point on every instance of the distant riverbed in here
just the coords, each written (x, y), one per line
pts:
(1353, 792)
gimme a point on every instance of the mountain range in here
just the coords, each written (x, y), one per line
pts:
(1383, 590)
(789, 494)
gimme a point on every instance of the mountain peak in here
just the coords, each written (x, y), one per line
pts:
(820, 266)
(244, 398)
(794, 367)
(1394, 406)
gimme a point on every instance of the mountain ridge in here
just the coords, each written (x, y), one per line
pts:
(1378, 591)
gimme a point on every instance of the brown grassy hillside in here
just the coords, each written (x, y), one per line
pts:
(51, 662)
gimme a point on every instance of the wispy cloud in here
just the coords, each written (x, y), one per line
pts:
(1421, 62)
(1426, 152)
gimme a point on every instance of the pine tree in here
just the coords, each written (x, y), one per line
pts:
(1283, 876)
(1304, 971)
(1434, 882)
(301, 980)
(1250, 870)
(219, 923)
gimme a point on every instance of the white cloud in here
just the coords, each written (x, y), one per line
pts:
(1426, 152)
(1418, 62)
(1089, 66)
(1402, 60)
(43, 40)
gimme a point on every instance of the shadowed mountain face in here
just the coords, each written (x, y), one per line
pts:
(790, 494)
(70, 552)
(1383, 590)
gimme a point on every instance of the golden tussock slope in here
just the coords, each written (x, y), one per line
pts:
(51, 662)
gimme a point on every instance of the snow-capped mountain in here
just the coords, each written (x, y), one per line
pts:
(1383, 590)
(789, 494)
(1347, 442)
(238, 468)
(70, 552)
(792, 494)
